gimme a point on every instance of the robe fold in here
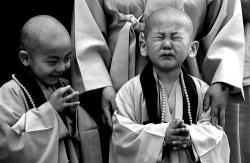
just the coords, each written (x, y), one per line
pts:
(41, 134)
(134, 141)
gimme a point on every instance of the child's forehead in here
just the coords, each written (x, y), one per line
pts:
(168, 17)
(171, 25)
(52, 50)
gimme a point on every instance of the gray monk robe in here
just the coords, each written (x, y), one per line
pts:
(138, 133)
(41, 134)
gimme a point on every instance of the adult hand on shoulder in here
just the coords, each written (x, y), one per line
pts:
(108, 103)
(217, 97)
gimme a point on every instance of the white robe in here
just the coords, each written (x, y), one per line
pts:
(134, 142)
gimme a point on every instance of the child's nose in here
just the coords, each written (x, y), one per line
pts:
(166, 44)
(61, 67)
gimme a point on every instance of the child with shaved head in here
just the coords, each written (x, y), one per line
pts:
(38, 109)
(160, 116)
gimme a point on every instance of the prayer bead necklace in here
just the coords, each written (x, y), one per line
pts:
(163, 107)
(25, 90)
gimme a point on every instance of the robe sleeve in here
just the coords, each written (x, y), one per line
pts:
(210, 142)
(31, 136)
(92, 56)
(131, 140)
(224, 43)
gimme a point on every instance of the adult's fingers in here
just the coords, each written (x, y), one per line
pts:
(206, 102)
(114, 106)
(222, 115)
(214, 113)
(104, 120)
(106, 111)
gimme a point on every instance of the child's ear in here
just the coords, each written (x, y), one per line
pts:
(193, 49)
(24, 57)
(142, 44)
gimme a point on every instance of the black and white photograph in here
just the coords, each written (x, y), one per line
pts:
(125, 81)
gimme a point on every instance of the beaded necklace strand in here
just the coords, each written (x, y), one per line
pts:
(25, 90)
(163, 106)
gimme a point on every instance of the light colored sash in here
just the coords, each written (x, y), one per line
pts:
(124, 62)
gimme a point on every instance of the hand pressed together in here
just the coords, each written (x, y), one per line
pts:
(177, 135)
(64, 97)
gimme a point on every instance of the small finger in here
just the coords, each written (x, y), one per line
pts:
(181, 144)
(71, 89)
(179, 130)
(181, 138)
(178, 122)
(72, 95)
(176, 148)
(70, 104)
(183, 125)
(178, 143)
(63, 90)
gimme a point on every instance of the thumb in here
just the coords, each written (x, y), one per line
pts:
(176, 123)
(206, 102)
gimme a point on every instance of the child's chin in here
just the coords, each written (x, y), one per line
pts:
(52, 82)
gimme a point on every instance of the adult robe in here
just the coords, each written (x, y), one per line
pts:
(138, 134)
(243, 107)
(41, 134)
(105, 36)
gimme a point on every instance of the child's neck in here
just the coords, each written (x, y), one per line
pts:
(167, 77)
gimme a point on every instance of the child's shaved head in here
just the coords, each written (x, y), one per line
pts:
(45, 48)
(168, 13)
(40, 31)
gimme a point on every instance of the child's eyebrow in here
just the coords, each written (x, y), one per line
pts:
(161, 33)
(175, 33)
(57, 57)
(53, 57)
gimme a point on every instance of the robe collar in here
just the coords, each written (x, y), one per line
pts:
(29, 82)
(149, 90)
